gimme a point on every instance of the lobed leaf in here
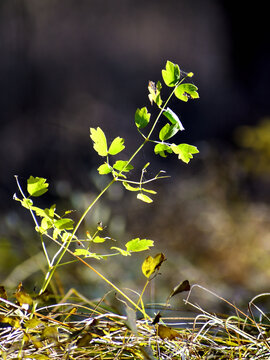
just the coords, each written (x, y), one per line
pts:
(171, 74)
(137, 244)
(154, 93)
(104, 169)
(100, 141)
(121, 165)
(184, 151)
(142, 117)
(116, 146)
(37, 186)
(98, 239)
(161, 149)
(64, 224)
(122, 252)
(86, 253)
(186, 91)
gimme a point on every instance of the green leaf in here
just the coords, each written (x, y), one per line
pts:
(154, 93)
(151, 264)
(174, 119)
(116, 146)
(184, 151)
(129, 187)
(37, 186)
(100, 142)
(171, 74)
(168, 131)
(137, 244)
(104, 169)
(121, 165)
(144, 198)
(98, 239)
(149, 191)
(122, 252)
(186, 91)
(86, 253)
(161, 149)
(27, 203)
(142, 117)
(46, 224)
(66, 236)
(64, 224)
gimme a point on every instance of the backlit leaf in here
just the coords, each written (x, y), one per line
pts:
(46, 224)
(86, 253)
(142, 117)
(168, 131)
(100, 142)
(129, 187)
(144, 198)
(98, 239)
(104, 169)
(151, 264)
(116, 146)
(27, 203)
(161, 149)
(174, 119)
(37, 186)
(121, 165)
(171, 74)
(154, 93)
(64, 224)
(149, 191)
(184, 151)
(122, 252)
(186, 91)
(139, 244)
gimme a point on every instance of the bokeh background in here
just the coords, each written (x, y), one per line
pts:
(66, 66)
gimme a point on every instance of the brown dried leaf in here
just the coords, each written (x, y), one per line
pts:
(183, 286)
(165, 332)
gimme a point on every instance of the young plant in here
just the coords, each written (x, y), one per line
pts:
(62, 230)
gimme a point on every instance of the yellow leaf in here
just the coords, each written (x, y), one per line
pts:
(151, 264)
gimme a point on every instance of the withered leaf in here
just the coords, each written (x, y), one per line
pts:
(156, 318)
(165, 332)
(151, 264)
(22, 296)
(183, 286)
(3, 293)
(84, 340)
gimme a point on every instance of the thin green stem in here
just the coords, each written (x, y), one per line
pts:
(52, 269)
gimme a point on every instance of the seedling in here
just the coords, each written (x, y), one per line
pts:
(62, 230)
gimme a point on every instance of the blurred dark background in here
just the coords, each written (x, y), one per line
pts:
(66, 66)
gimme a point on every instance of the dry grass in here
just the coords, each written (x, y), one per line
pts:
(77, 328)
